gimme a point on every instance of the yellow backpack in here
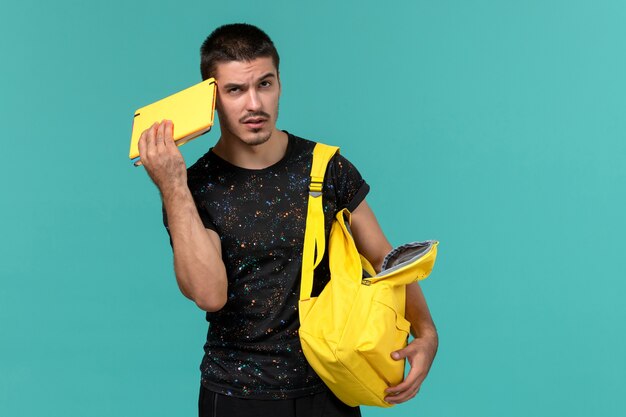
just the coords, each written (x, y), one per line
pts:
(349, 331)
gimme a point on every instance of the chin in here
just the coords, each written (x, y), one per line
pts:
(257, 138)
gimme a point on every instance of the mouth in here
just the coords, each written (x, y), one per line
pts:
(255, 122)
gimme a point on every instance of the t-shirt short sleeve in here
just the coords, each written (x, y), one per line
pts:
(346, 180)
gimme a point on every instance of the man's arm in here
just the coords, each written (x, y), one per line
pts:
(372, 243)
(198, 264)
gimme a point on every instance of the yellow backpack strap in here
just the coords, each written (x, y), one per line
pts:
(314, 236)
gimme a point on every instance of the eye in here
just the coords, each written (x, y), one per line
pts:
(233, 90)
(265, 84)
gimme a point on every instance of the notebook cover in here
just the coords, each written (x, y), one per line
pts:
(191, 110)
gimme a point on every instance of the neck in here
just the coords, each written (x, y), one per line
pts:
(240, 154)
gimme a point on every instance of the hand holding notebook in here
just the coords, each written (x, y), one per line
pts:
(161, 157)
(191, 110)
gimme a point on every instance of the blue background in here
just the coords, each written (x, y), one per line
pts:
(496, 127)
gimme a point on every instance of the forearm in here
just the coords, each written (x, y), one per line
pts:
(198, 264)
(418, 314)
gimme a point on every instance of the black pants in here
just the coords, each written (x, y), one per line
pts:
(325, 404)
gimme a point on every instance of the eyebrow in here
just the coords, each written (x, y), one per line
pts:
(268, 75)
(235, 85)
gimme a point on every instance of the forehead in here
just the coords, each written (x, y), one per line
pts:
(244, 71)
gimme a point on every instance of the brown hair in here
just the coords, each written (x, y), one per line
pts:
(235, 42)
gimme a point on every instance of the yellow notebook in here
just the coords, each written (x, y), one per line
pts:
(191, 110)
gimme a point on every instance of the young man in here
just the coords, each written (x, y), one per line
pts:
(236, 219)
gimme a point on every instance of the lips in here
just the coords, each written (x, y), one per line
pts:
(255, 122)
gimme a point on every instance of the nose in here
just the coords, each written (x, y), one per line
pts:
(254, 100)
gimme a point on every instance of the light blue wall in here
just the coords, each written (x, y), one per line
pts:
(496, 127)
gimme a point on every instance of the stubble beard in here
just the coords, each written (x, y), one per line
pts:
(258, 140)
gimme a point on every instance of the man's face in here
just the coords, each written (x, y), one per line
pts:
(247, 103)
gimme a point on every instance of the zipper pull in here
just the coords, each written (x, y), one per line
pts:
(366, 282)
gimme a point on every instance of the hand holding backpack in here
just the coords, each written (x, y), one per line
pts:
(349, 331)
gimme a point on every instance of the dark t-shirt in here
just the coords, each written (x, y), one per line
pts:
(252, 348)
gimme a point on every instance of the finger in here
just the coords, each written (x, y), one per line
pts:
(406, 385)
(404, 391)
(169, 133)
(403, 396)
(142, 144)
(160, 133)
(149, 146)
(401, 354)
(413, 378)
(398, 397)
(398, 355)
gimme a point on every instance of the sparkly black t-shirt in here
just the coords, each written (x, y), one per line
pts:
(252, 348)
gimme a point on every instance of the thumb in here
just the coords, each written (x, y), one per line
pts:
(399, 354)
